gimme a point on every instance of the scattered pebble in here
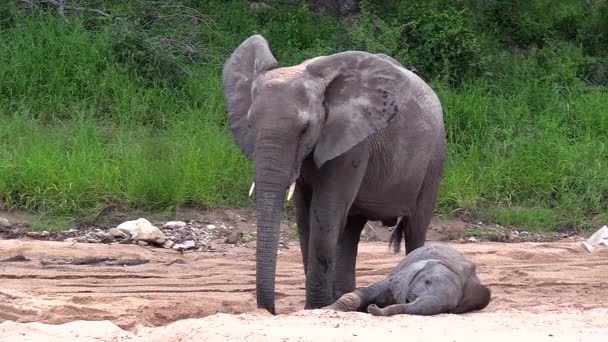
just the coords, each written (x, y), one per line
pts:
(175, 224)
(5, 223)
(472, 239)
(234, 237)
(184, 245)
(43, 233)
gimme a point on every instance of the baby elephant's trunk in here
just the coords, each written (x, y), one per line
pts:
(348, 302)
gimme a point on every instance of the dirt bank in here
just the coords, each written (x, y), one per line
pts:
(538, 289)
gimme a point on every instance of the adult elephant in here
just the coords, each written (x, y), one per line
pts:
(361, 137)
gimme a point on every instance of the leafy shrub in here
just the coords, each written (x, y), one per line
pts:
(442, 43)
(148, 60)
(521, 22)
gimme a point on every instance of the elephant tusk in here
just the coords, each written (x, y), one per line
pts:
(251, 189)
(292, 188)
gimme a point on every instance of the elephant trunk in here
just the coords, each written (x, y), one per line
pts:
(272, 177)
(421, 306)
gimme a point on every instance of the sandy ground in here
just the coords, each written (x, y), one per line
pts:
(541, 291)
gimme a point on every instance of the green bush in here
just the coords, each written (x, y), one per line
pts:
(442, 44)
(149, 61)
(521, 22)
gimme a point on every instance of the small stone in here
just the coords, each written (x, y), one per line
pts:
(252, 244)
(524, 234)
(565, 236)
(102, 235)
(70, 240)
(232, 217)
(218, 241)
(118, 233)
(4, 223)
(472, 239)
(34, 234)
(234, 237)
(168, 244)
(211, 226)
(44, 233)
(142, 243)
(174, 224)
(184, 245)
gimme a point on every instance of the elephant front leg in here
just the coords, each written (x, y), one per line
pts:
(348, 243)
(302, 204)
(321, 258)
(338, 184)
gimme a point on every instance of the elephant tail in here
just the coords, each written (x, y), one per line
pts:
(397, 235)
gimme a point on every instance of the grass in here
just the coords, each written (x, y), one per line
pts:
(88, 121)
(509, 150)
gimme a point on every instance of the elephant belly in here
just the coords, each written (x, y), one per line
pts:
(385, 201)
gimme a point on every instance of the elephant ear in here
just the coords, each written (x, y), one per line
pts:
(475, 296)
(390, 59)
(252, 58)
(364, 93)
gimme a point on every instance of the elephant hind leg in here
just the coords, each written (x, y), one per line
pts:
(413, 228)
(418, 223)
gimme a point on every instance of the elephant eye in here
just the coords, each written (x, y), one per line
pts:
(427, 282)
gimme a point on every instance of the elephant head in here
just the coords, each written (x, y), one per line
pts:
(280, 116)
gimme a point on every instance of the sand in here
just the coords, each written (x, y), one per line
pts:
(541, 291)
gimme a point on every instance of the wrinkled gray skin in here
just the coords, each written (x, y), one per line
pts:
(430, 280)
(362, 137)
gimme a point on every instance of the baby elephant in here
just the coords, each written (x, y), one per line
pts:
(431, 280)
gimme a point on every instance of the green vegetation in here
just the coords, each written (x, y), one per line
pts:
(100, 111)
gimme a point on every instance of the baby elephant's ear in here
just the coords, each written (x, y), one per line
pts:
(252, 58)
(475, 296)
(364, 93)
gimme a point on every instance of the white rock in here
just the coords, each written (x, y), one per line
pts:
(600, 237)
(175, 224)
(118, 233)
(472, 239)
(168, 244)
(210, 226)
(142, 229)
(5, 223)
(184, 245)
